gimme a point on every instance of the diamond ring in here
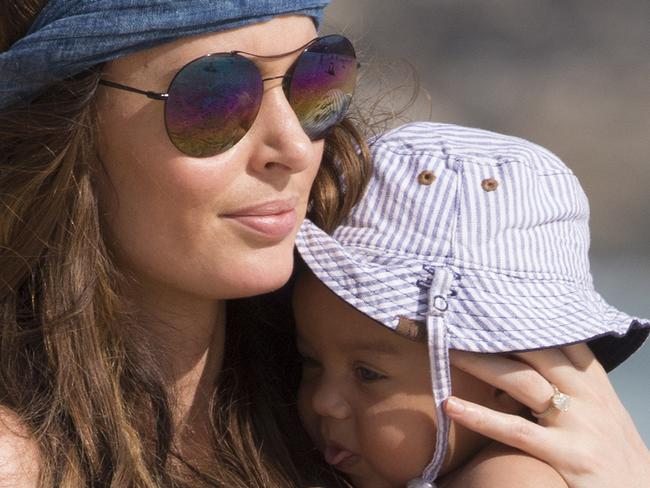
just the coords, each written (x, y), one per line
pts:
(559, 401)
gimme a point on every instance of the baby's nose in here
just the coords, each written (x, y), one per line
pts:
(329, 401)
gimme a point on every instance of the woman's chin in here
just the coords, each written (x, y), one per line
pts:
(257, 282)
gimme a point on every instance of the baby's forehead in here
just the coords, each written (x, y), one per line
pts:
(323, 316)
(356, 336)
(359, 342)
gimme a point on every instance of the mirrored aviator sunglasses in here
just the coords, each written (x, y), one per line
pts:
(213, 100)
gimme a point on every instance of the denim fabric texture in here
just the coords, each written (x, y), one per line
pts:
(69, 37)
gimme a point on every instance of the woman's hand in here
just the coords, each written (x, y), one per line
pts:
(594, 444)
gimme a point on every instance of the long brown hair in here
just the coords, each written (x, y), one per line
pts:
(74, 365)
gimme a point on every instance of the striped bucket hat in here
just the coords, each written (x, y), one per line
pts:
(476, 241)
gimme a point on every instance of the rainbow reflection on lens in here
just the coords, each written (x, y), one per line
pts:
(212, 103)
(321, 83)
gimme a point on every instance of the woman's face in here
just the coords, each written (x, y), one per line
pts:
(218, 227)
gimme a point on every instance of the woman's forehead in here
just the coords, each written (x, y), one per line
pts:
(277, 36)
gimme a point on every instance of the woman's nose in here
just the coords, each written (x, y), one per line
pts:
(280, 143)
(328, 400)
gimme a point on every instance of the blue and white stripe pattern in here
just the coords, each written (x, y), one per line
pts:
(504, 217)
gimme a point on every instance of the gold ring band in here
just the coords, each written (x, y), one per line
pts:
(559, 401)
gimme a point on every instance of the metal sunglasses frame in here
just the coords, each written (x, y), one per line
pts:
(164, 96)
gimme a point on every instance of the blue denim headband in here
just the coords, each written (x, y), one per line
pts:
(70, 36)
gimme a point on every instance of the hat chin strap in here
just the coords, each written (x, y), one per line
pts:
(440, 374)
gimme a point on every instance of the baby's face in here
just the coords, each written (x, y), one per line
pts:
(365, 396)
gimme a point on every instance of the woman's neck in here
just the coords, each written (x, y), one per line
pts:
(188, 334)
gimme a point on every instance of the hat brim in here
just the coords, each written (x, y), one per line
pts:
(487, 311)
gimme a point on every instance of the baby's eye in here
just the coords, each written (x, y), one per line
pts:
(367, 375)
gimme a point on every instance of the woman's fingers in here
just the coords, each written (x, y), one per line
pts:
(512, 430)
(528, 376)
(516, 378)
(581, 356)
(573, 369)
(555, 366)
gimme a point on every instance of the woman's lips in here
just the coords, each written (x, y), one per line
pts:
(339, 457)
(276, 225)
(275, 219)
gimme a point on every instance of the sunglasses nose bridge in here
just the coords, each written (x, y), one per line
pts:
(285, 82)
(278, 77)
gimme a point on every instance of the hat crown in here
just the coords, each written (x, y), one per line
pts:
(473, 199)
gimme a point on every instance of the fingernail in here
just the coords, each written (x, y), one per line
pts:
(454, 406)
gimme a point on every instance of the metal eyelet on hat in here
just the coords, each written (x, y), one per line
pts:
(489, 184)
(426, 177)
(440, 303)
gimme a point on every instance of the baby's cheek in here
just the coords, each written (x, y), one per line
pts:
(403, 446)
(307, 415)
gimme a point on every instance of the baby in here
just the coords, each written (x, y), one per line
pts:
(464, 239)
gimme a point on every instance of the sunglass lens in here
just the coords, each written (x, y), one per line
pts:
(212, 102)
(321, 83)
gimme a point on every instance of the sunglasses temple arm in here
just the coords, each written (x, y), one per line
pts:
(120, 86)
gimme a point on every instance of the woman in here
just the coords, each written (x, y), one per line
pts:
(125, 228)
(122, 241)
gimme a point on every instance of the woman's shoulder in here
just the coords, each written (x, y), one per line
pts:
(19, 453)
(503, 466)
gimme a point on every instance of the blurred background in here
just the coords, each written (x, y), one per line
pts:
(571, 75)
